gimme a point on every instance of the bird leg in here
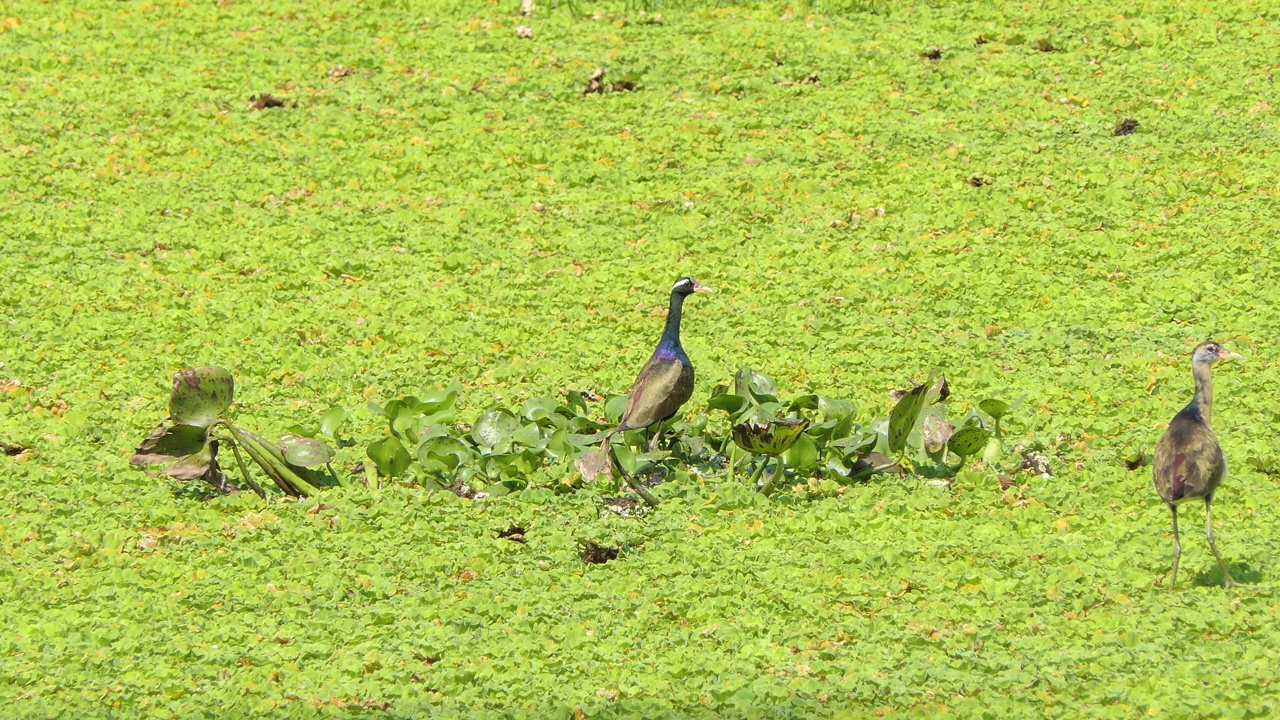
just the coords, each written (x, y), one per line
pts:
(1177, 548)
(640, 489)
(656, 438)
(1227, 580)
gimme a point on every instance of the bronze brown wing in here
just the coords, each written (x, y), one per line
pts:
(662, 387)
(1188, 461)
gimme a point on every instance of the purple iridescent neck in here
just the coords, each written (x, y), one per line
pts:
(669, 346)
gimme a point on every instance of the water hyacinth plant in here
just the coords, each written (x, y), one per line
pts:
(770, 437)
(187, 443)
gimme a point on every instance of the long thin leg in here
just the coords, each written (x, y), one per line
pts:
(1227, 580)
(640, 489)
(657, 436)
(1177, 548)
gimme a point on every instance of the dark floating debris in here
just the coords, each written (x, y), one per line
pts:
(515, 533)
(1126, 127)
(264, 101)
(594, 554)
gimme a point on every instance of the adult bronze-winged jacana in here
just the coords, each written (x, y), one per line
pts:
(666, 381)
(1188, 462)
(664, 384)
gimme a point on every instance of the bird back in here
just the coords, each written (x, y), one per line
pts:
(1188, 461)
(664, 384)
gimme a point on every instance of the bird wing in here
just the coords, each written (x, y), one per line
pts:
(661, 388)
(1188, 461)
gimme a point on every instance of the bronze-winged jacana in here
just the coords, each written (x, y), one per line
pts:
(1188, 462)
(664, 384)
(666, 381)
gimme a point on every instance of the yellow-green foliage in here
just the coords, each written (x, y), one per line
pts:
(436, 200)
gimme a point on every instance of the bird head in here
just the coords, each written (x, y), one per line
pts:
(1210, 352)
(688, 286)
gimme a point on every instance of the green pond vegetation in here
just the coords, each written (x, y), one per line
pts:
(407, 259)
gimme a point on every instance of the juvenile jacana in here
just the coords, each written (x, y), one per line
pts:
(666, 381)
(1188, 462)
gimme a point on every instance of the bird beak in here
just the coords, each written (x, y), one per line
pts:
(703, 289)
(1231, 356)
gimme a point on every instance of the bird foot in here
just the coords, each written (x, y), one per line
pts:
(1233, 585)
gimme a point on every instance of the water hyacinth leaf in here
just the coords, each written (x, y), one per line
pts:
(436, 401)
(855, 444)
(494, 426)
(575, 402)
(804, 402)
(995, 408)
(968, 441)
(431, 431)
(936, 432)
(767, 411)
(732, 404)
(332, 420)
(498, 489)
(538, 408)
(394, 406)
(842, 428)
(903, 417)
(770, 438)
(803, 455)
(560, 443)
(582, 425)
(755, 384)
(940, 391)
(993, 451)
(200, 395)
(389, 456)
(592, 464)
(401, 418)
(529, 435)
(626, 458)
(834, 408)
(836, 465)
(614, 407)
(194, 465)
(169, 443)
(297, 429)
(304, 451)
(444, 452)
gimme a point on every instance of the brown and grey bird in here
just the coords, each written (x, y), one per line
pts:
(1188, 462)
(666, 381)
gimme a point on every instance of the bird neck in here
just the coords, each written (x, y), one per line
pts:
(670, 342)
(1203, 401)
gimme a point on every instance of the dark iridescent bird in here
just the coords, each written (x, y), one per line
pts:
(664, 384)
(666, 381)
(1188, 462)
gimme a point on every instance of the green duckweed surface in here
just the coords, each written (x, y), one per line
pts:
(873, 192)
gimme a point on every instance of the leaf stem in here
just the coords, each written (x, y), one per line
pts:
(768, 488)
(755, 475)
(244, 469)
